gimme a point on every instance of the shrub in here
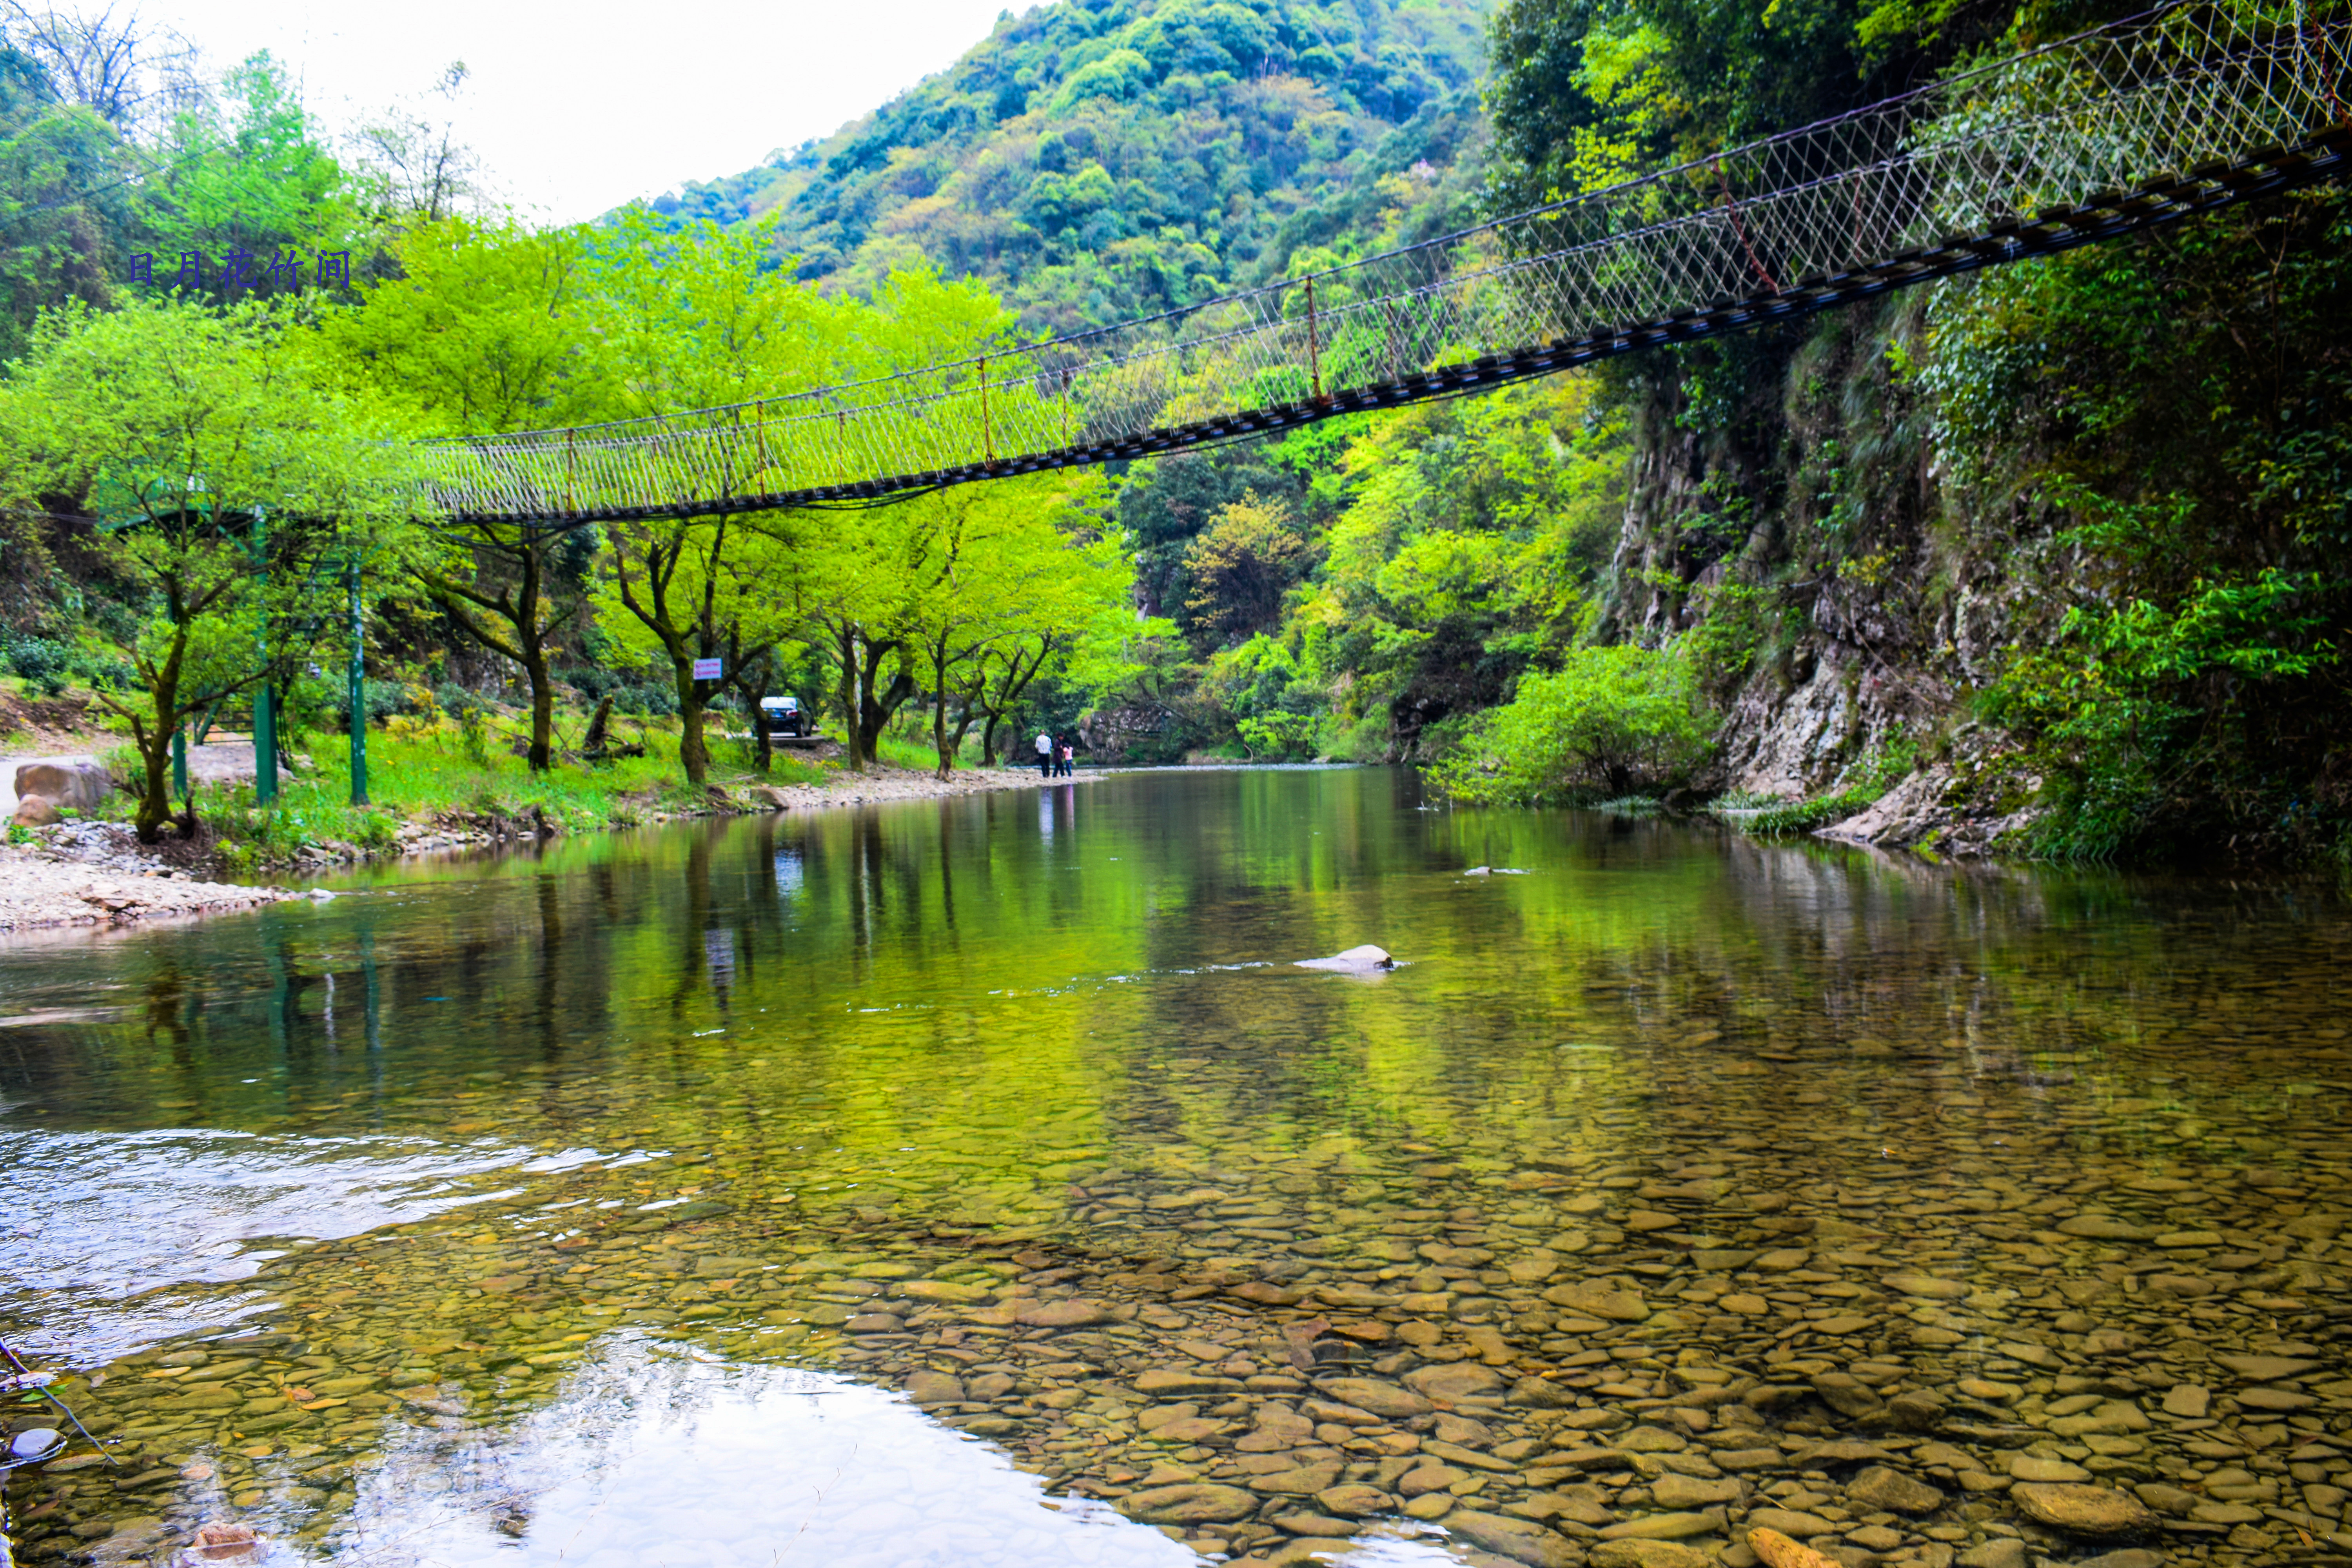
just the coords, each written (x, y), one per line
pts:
(631, 691)
(1278, 736)
(1622, 720)
(454, 699)
(44, 663)
(654, 699)
(381, 699)
(105, 672)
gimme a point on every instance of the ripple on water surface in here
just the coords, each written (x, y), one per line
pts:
(1678, 1186)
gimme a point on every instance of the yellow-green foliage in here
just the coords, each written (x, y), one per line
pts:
(1612, 721)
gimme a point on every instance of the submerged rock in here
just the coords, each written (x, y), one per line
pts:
(2082, 1510)
(1189, 1503)
(1781, 1552)
(225, 1543)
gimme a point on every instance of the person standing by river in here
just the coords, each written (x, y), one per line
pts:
(1044, 755)
(1062, 754)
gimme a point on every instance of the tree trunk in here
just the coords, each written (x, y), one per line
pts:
(692, 754)
(593, 746)
(156, 800)
(542, 706)
(964, 725)
(155, 745)
(876, 709)
(939, 712)
(519, 609)
(848, 695)
(531, 641)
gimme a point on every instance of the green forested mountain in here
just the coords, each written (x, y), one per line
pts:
(1099, 159)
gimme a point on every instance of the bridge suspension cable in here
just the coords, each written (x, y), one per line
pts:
(2178, 112)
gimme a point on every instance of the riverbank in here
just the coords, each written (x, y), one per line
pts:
(39, 887)
(91, 873)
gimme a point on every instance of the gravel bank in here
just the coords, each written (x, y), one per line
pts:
(91, 873)
(44, 888)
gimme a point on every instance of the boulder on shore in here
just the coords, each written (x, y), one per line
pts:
(36, 810)
(73, 785)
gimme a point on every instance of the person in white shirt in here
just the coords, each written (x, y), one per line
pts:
(1046, 755)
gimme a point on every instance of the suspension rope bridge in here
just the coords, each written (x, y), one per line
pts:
(2179, 111)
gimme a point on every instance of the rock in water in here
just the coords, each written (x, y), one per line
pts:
(935, 1388)
(2081, 1509)
(221, 1541)
(1355, 961)
(1781, 1552)
(1647, 1554)
(1881, 1487)
(1199, 1504)
(1522, 1540)
(1600, 1301)
(1382, 1399)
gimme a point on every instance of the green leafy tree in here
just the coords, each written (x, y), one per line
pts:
(703, 319)
(487, 330)
(62, 205)
(245, 183)
(1095, 163)
(863, 588)
(1015, 565)
(1241, 566)
(223, 468)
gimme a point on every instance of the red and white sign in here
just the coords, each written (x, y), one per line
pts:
(708, 668)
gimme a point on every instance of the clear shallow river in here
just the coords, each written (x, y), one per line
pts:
(978, 1183)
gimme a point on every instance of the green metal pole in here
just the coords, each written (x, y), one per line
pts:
(358, 695)
(265, 743)
(180, 757)
(265, 716)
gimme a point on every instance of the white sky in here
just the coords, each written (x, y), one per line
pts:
(578, 108)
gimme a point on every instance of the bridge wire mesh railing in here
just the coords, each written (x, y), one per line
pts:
(2175, 111)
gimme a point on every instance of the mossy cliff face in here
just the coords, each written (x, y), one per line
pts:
(2043, 561)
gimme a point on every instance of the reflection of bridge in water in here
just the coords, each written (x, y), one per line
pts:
(2176, 113)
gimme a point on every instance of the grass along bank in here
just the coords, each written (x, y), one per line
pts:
(439, 782)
